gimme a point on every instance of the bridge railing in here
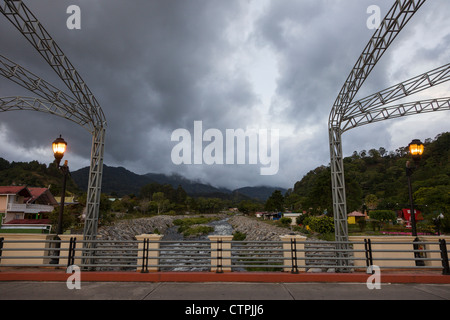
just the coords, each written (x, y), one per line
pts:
(148, 253)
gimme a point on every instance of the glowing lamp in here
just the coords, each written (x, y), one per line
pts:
(59, 147)
(416, 149)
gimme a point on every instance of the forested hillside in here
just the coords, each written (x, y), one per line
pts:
(377, 178)
(34, 174)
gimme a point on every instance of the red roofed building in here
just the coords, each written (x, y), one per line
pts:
(353, 217)
(21, 202)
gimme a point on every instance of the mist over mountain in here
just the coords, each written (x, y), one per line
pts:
(120, 181)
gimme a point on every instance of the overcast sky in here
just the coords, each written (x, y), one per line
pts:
(159, 65)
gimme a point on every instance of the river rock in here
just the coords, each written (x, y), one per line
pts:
(258, 230)
(255, 230)
(128, 229)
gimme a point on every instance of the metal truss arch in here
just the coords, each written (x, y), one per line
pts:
(80, 107)
(396, 111)
(30, 27)
(57, 101)
(401, 90)
(40, 105)
(397, 17)
(346, 114)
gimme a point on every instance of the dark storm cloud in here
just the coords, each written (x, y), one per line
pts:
(156, 66)
(317, 46)
(152, 64)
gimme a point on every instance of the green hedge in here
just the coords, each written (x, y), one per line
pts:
(320, 224)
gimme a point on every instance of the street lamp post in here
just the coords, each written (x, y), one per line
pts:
(59, 147)
(416, 149)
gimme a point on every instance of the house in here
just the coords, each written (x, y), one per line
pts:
(20, 205)
(404, 216)
(270, 215)
(293, 216)
(68, 200)
(354, 216)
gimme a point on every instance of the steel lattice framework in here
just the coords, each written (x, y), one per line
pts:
(80, 106)
(346, 114)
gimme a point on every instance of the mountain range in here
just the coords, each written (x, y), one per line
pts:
(120, 181)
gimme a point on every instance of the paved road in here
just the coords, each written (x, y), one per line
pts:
(23, 290)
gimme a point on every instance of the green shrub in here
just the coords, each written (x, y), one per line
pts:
(321, 224)
(300, 219)
(239, 236)
(383, 215)
(285, 222)
(199, 230)
(185, 224)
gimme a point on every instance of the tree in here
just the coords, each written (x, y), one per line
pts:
(434, 198)
(248, 206)
(383, 215)
(180, 195)
(144, 205)
(293, 201)
(160, 200)
(275, 202)
(371, 201)
(67, 219)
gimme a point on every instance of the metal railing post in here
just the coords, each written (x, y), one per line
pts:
(294, 268)
(148, 251)
(219, 268)
(145, 248)
(1, 248)
(220, 253)
(293, 251)
(71, 255)
(368, 252)
(444, 257)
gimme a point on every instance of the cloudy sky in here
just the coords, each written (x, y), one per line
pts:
(156, 66)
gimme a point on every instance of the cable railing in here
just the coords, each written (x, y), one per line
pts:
(290, 254)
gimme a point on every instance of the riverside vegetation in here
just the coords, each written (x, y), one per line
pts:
(375, 183)
(244, 227)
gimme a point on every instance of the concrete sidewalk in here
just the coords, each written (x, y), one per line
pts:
(226, 286)
(233, 291)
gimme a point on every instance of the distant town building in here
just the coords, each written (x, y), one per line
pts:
(21, 205)
(404, 216)
(352, 217)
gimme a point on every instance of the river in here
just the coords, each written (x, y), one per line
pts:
(186, 254)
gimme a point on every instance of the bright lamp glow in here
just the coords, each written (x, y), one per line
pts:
(59, 147)
(416, 149)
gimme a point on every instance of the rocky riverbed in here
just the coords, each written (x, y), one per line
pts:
(255, 230)
(128, 229)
